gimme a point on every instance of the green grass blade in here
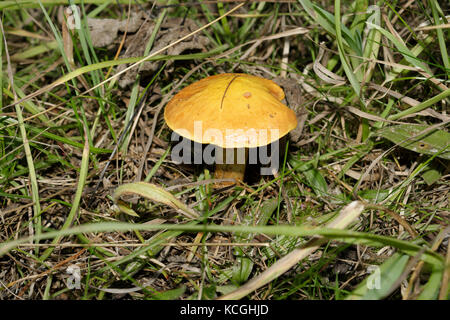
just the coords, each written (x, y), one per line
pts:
(298, 231)
(342, 54)
(421, 106)
(76, 201)
(440, 34)
(403, 49)
(430, 290)
(32, 174)
(382, 278)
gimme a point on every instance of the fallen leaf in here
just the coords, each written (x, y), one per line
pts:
(410, 137)
(170, 31)
(104, 32)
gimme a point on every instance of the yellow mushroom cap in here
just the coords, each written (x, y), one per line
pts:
(231, 110)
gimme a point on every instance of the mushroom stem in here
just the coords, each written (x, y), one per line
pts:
(232, 165)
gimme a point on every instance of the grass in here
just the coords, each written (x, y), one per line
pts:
(358, 210)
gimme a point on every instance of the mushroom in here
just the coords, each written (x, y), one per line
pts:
(233, 112)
